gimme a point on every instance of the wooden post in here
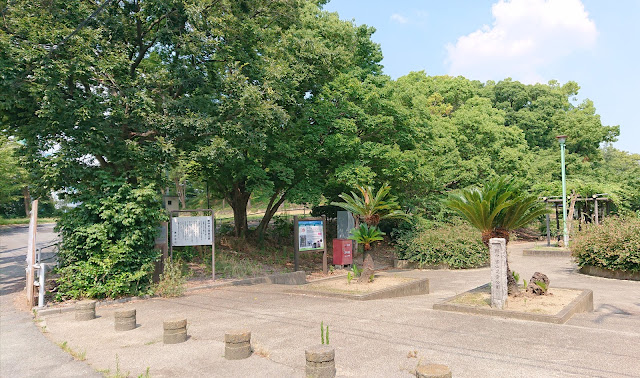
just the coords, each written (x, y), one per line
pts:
(213, 246)
(325, 269)
(595, 206)
(31, 252)
(296, 243)
(547, 218)
(557, 223)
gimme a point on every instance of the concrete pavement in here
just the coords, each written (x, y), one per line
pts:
(372, 338)
(24, 350)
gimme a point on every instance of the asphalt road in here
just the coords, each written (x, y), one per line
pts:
(24, 350)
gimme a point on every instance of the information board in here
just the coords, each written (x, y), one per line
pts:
(310, 235)
(191, 231)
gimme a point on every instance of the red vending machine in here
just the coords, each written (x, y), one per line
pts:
(342, 252)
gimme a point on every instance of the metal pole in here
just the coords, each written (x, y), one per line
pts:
(296, 243)
(548, 231)
(564, 197)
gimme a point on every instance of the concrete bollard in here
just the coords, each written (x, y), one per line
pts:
(433, 371)
(175, 331)
(320, 361)
(237, 344)
(85, 310)
(125, 320)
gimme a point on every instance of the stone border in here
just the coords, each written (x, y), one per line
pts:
(406, 264)
(417, 286)
(291, 278)
(608, 273)
(546, 252)
(583, 303)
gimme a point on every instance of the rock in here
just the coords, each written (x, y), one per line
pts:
(534, 288)
(367, 269)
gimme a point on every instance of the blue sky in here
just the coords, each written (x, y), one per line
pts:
(593, 42)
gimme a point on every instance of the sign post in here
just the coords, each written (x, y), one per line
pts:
(188, 231)
(310, 234)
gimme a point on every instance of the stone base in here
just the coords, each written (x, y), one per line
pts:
(175, 331)
(85, 310)
(320, 362)
(237, 344)
(433, 371)
(125, 320)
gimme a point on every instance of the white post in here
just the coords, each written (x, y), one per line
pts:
(498, 254)
(41, 291)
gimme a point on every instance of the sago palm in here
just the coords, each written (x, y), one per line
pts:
(371, 207)
(366, 235)
(495, 209)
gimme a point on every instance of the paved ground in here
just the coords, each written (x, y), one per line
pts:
(372, 338)
(24, 350)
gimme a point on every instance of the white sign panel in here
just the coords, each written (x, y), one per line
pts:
(191, 231)
(310, 235)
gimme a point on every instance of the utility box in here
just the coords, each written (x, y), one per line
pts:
(342, 252)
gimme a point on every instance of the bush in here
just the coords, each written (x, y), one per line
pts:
(459, 246)
(614, 245)
(171, 280)
(107, 247)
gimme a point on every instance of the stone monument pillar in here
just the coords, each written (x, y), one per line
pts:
(498, 253)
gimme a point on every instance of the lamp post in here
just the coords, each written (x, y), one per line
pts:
(562, 139)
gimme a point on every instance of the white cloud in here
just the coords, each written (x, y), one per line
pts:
(399, 18)
(526, 36)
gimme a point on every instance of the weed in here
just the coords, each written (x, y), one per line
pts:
(146, 373)
(356, 271)
(516, 276)
(80, 356)
(172, 280)
(542, 286)
(230, 266)
(371, 277)
(349, 277)
(324, 336)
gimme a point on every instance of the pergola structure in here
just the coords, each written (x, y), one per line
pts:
(589, 210)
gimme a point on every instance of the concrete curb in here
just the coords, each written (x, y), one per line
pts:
(406, 264)
(607, 273)
(544, 252)
(291, 278)
(414, 287)
(583, 303)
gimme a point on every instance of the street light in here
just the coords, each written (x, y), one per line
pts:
(562, 139)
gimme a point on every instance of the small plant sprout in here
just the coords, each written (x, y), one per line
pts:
(524, 283)
(516, 276)
(356, 271)
(324, 335)
(349, 277)
(371, 277)
(542, 286)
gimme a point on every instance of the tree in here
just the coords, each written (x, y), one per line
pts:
(496, 209)
(261, 134)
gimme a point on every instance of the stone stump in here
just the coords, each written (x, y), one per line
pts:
(320, 362)
(175, 331)
(125, 320)
(237, 344)
(534, 288)
(85, 310)
(433, 371)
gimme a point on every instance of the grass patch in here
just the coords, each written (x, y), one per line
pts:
(80, 356)
(10, 221)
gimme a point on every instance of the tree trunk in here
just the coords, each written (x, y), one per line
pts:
(27, 200)
(238, 199)
(272, 208)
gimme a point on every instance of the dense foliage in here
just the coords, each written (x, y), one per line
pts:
(456, 246)
(614, 244)
(107, 243)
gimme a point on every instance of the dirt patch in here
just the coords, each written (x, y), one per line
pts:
(549, 304)
(343, 286)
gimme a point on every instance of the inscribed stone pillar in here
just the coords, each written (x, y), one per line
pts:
(498, 252)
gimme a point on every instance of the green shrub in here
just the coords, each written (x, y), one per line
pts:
(107, 247)
(458, 246)
(614, 244)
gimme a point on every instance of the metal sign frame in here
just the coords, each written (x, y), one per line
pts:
(213, 235)
(296, 242)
